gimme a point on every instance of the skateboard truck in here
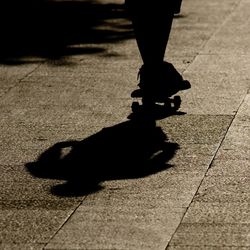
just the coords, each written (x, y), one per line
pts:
(156, 108)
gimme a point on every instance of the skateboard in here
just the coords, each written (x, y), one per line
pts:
(157, 108)
(157, 92)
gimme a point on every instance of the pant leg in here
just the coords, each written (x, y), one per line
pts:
(152, 22)
(167, 6)
(177, 7)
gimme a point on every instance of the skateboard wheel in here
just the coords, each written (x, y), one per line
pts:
(135, 106)
(167, 105)
(177, 101)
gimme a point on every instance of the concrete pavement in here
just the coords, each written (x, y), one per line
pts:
(183, 184)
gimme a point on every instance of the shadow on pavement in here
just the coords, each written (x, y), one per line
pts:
(132, 149)
(53, 29)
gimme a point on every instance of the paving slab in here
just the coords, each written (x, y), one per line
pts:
(207, 247)
(196, 129)
(30, 246)
(212, 235)
(218, 213)
(117, 211)
(225, 41)
(11, 75)
(197, 24)
(30, 226)
(245, 107)
(129, 228)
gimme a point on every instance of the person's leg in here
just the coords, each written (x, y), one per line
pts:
(177, 8)
(152, 23)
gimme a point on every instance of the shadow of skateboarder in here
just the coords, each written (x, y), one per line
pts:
(132, 149)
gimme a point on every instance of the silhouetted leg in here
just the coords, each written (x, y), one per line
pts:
(152, 21)
(152, 25)
(177, 8)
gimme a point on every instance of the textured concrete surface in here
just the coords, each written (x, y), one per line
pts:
(77, 174)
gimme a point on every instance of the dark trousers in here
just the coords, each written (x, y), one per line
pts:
(171, 6)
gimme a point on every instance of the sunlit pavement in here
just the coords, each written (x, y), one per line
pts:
(68, 183)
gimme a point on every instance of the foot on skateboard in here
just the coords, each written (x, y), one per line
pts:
(157, 86)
